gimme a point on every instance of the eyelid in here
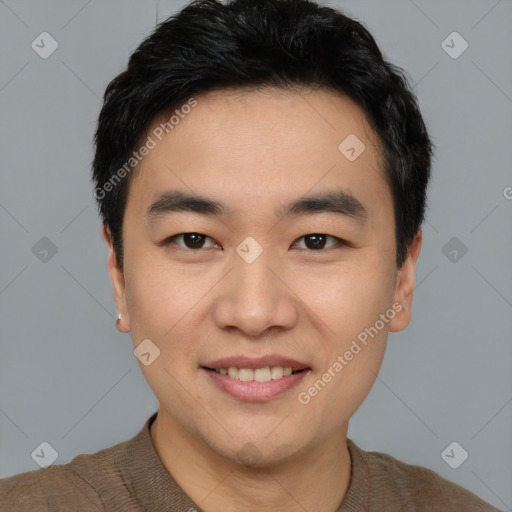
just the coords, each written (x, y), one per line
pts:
(170, 240)
(340, 242)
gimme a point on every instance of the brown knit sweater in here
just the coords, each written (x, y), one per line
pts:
(130, 477)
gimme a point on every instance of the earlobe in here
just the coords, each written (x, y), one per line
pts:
(405, 286)
(119, 325)
(118, 284)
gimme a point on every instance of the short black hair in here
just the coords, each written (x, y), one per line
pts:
(289, 44)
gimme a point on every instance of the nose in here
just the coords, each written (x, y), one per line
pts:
(256, 297)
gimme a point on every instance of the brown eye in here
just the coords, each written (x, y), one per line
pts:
(317, 241)
(190, 240)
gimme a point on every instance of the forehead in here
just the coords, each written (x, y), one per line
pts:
(251, 148)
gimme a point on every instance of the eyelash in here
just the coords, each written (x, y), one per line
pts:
(340, 242)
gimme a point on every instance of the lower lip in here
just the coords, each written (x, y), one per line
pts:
(253, 391)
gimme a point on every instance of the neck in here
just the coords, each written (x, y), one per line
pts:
(314, 480)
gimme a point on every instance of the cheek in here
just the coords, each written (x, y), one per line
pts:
(157, 295)
(348, 298)
(166, 306)
(337, 402)
(158, 305)
(353, 346)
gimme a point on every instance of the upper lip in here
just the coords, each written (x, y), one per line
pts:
(256, 362)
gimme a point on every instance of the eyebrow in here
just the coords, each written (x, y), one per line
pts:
(339, 202)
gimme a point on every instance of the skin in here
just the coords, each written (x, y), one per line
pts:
(255, 150)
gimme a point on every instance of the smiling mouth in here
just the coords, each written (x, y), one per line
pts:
(264, 374)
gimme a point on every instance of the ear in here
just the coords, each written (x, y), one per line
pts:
(405, 285)
(118, 284)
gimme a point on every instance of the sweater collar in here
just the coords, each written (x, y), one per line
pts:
(157, 490)
(154, 486)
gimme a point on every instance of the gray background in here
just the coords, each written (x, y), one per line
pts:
(69, 378)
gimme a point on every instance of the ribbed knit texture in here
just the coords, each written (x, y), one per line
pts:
(130, 477)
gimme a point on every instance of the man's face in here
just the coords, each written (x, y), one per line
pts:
(252, 282)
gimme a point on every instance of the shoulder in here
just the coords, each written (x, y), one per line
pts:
(81, 484)
(413, 488)
(56, 488)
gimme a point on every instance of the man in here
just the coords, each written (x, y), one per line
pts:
(261, 173)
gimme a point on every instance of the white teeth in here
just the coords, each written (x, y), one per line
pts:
(264, 374)
(277, 372)
(245, 374)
